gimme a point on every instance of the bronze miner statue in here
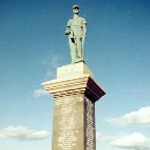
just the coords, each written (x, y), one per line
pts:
(76, 31)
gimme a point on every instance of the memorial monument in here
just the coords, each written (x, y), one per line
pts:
(75, 93)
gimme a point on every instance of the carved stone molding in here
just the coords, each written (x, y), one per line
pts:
(81, 85)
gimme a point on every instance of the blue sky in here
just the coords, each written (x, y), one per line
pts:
(117, 50)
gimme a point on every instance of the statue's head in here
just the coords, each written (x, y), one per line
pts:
(75, 9)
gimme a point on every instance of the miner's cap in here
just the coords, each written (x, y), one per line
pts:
(75, 6)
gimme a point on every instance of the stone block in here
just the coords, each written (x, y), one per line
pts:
(73, 71)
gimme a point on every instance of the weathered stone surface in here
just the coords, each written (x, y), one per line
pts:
(73, 71)
(89, 125)
(68, 123)
(75, 94)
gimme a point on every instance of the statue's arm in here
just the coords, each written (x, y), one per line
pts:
(68, 30)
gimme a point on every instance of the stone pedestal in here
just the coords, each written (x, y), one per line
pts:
(75, 93)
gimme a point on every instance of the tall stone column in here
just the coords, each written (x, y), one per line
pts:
(75, 93)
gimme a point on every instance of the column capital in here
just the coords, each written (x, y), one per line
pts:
(74, 86)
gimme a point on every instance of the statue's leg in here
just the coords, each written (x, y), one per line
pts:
(72, 51)
(79, 48)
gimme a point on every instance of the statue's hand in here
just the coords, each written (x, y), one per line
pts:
(72, 40)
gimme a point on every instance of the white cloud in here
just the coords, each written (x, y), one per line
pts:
(104, 138)
(52, 60)
(51, 63)
(40, 92)
(23, 133)
(50, 74)
(55, 61)
(135, 141)
(140, 117)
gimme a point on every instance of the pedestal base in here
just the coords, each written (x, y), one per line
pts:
(74, 108)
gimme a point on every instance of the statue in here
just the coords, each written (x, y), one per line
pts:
(76, 31)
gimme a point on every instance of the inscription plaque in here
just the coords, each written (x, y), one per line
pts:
(68, 123)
